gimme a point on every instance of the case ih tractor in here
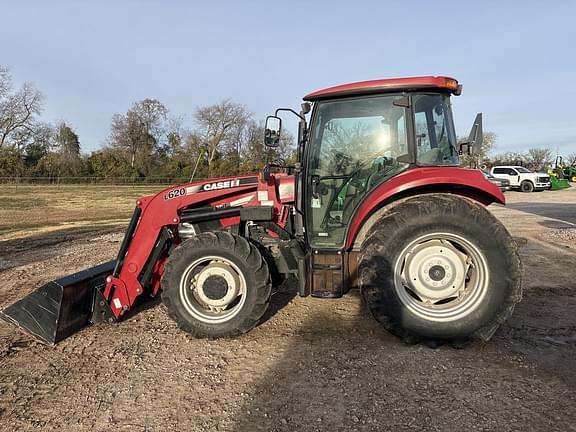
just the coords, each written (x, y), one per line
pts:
(376, 201)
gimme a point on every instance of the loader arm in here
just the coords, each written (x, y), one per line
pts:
(154, 224)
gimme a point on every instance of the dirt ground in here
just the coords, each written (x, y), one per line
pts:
(313, 365)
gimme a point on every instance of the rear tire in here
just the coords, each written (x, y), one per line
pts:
(526, 186)
(216, 284)
(440, 267)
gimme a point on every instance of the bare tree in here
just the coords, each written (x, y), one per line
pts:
(509, 158)
(220, 127)
(480, 154)
(140, 133)
(196, 153)
(570, 159)
(18, 109)
(42, 135)
(174, 134)
(256, 154)
(539, 158)
(5, 81)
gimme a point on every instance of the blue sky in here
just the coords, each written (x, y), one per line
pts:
(91, 59)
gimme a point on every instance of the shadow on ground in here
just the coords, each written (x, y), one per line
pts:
(343, 372)
(351, 375)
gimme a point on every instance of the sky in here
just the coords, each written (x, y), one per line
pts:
(92, 59)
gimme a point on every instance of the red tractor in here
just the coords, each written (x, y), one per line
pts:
(376, 201)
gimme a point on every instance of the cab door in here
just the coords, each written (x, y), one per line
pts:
(354, 146)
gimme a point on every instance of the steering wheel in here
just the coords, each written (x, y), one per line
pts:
(339, 162)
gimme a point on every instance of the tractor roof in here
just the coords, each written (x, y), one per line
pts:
(444, 84)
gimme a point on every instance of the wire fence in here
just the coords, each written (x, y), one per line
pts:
(97, 181)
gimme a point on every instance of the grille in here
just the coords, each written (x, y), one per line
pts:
(543, 179)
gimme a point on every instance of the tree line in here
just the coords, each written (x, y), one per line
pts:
(150, 141)
(536, 159)
(146, 141)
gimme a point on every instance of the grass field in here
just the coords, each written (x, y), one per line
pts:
(29, 210)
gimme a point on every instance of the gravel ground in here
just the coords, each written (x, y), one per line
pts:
(313, 365)
(564, 235)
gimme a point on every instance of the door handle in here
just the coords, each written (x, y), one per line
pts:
(315, 186)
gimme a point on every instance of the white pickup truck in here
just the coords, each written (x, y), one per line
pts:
(522, 178)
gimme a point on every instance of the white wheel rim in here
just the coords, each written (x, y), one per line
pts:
(197, 293)
(441, 277)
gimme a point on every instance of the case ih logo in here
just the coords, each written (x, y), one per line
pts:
(221, 185)
(207, 187)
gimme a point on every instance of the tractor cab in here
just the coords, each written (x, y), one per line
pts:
(360, 135)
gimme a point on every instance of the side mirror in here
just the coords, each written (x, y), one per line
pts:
(474, 141)
(272, 131)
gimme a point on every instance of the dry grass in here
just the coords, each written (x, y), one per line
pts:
(27, 210)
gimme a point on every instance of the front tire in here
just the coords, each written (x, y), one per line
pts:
(216, 284)
(440, 267)
(526, 186)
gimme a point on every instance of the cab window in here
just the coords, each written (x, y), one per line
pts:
(435, 135)
(354, 147)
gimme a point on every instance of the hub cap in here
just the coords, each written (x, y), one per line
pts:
(213, 289)
(441, 277)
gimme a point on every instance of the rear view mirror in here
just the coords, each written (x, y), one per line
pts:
(272, 131)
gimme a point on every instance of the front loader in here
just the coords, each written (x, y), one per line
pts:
(561, 174)
(376, 201)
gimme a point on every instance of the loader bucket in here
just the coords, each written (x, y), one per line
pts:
(61, 307)
(556, 183)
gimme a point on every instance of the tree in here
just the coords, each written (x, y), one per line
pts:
(67, 147)
(36, 143)
(5, 81)
(108, 163)
(11, 162)
(18, 109)
(509, 158)
(220, 128)
(67, 141)
(539, 158)
(139, 134)
(256, 154)
(570, 159)
(477, 159)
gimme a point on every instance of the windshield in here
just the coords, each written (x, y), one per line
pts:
(435, 135)
(522, 170)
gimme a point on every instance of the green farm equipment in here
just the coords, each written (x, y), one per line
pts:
(561, 174)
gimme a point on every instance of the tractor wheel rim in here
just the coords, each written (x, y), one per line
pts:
(441, 277)
(213, 289)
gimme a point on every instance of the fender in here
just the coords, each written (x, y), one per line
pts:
(461, 181)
